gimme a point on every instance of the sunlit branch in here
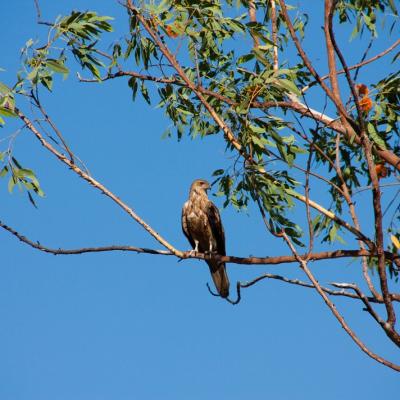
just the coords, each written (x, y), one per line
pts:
(274, 34)
(96, 184)
(253, 18)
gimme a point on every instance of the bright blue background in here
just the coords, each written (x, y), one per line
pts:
(126, 326)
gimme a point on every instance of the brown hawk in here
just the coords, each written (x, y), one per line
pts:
(201, 224)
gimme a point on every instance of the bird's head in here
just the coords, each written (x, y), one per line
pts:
(200, 185)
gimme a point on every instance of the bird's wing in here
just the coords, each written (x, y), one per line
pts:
(185, 227)
(217, 229)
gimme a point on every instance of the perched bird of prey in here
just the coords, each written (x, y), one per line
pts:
(202, 225)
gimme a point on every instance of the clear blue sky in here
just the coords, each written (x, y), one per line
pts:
(126, 326)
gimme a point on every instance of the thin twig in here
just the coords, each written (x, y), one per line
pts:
(356, 66)
(308, 212)
(53, 126)
(38, 13)
(363, 58)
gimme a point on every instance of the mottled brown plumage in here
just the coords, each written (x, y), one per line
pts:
(201, 224)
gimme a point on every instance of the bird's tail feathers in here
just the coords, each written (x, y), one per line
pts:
(220, 277)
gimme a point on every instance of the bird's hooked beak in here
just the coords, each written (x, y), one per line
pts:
(207, 187)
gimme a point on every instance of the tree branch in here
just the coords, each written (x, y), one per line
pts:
(376, 194)
(349, 201)
(223, 126)
(96, 184)
(308, 285)
(385, 326)
(351, 134)
(252, 260)
(335, 312)
(253, 18)
(274, 34)
(356, 66)
(54, 127)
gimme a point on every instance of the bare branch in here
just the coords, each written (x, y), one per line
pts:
(306, 285)
(349, 201)
(53, 126)
(96, 184)
(308, 212)
(252, 260)
(38, 12)
(335, 312)
(385, 326)
(253, 18)
(82, 250)
(356, 66)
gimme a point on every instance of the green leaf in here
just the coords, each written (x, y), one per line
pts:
(4, 89)
(145, 93)
(132, 83)
(375, 137)
(4, 171)
(289, 86)
(256, 129)
(57, 66)
(245, 58)
(11, 183)
(218, 172)
(7, 112)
